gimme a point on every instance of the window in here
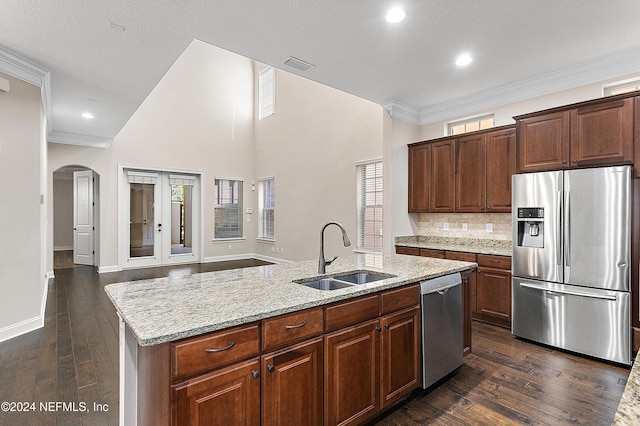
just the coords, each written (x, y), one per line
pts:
(620, 87)
(369, 206)
(267, 208)
(266, 92)
(227, 209)
(471, 125)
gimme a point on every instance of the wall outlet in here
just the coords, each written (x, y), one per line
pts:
(229, 247)
(464, 226)
(489, 227)
(446, 226)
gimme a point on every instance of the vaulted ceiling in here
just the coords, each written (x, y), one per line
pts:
(106, 56)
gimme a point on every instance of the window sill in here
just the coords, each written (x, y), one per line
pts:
(266, 240)
(227, 240)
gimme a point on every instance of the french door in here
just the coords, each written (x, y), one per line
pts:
(161, 217)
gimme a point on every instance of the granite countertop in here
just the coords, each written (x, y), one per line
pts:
(471, 245)
(167, 309)
(628, 413)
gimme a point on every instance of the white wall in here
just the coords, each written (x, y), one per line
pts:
(198, 118)
(310, 146)
(22, 234)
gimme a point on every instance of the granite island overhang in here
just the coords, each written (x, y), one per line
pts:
(167, 309)
(157, 311)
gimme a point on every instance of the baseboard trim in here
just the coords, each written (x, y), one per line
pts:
(18, 329)
(63, 248)
(50, 275)
(244, 256)
(110, 268)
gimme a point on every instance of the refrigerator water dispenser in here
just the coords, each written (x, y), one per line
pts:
(531, 227)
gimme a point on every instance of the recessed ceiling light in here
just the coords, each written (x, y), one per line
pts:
(87, 115)
(463, 60)
(395, 15)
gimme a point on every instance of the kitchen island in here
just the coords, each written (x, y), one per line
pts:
(158, 315)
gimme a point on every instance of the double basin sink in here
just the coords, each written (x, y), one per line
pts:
(343, 281)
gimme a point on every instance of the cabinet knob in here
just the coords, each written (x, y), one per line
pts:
(271, 368)
(378, 329)
(564, 161)
(386, 326)
(255, 374)
(574, 161)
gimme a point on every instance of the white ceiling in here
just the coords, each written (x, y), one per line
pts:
(521, 48)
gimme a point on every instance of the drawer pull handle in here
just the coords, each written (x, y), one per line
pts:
(212, 351)
(289, 327)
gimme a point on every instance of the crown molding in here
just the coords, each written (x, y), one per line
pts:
(402, 112)
(569, 78)
(78, 139)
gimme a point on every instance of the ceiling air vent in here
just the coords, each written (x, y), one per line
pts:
(298, 64)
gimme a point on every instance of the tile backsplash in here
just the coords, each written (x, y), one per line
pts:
(433, 224)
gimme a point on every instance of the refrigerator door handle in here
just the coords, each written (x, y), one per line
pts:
(567, 235)
(559, 231)
(570, 293)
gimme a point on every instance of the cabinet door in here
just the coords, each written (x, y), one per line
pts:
(419, 178)
(602, 134)
(399, 355)
(292, 385)
(543, 142)
(352, 374)
(501, 165)
(471, 173)
(443, 176)
(494, 296)
(225, 397)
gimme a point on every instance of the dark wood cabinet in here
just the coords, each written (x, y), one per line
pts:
(602, 134)
(466, 173)
(293, 385)
(419, 178)
(413, 251)
(437, 254)
(593, 133)
(543, 142)
(400, 355)
(224, 397)
(501, 166)
(352, 374)
(493, 290)
(471, 172)
(443, 177)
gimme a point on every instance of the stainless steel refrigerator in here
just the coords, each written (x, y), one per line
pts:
(571, 262)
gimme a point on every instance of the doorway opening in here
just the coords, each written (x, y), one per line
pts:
(76, 201)
(161, 217)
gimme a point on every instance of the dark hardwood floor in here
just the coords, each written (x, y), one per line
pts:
(73, 359)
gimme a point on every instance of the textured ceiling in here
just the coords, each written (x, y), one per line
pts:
(514, 43)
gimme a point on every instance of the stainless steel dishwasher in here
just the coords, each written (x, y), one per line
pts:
(441, 303)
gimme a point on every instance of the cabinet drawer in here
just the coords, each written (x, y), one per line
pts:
(438, 254)
(458, 255)
(493, 261)
(344, 314)
(289, 328)
(397, 299)
(413, 251)
(205, 353)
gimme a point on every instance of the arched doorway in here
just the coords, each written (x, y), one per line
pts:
(76, 201)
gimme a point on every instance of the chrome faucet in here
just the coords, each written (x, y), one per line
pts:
(322, 262)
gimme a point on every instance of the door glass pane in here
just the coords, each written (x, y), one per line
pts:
(181, 219)
(141, 227)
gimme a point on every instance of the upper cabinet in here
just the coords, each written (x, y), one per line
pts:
(431, 177)
(466, 173)
(593, 133)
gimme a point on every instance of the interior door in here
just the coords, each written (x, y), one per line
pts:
(83, 227)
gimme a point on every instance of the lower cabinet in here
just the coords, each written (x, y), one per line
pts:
(493, 290)
(382, 356)
(230, 396)
(292, 385)
(339, 364)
